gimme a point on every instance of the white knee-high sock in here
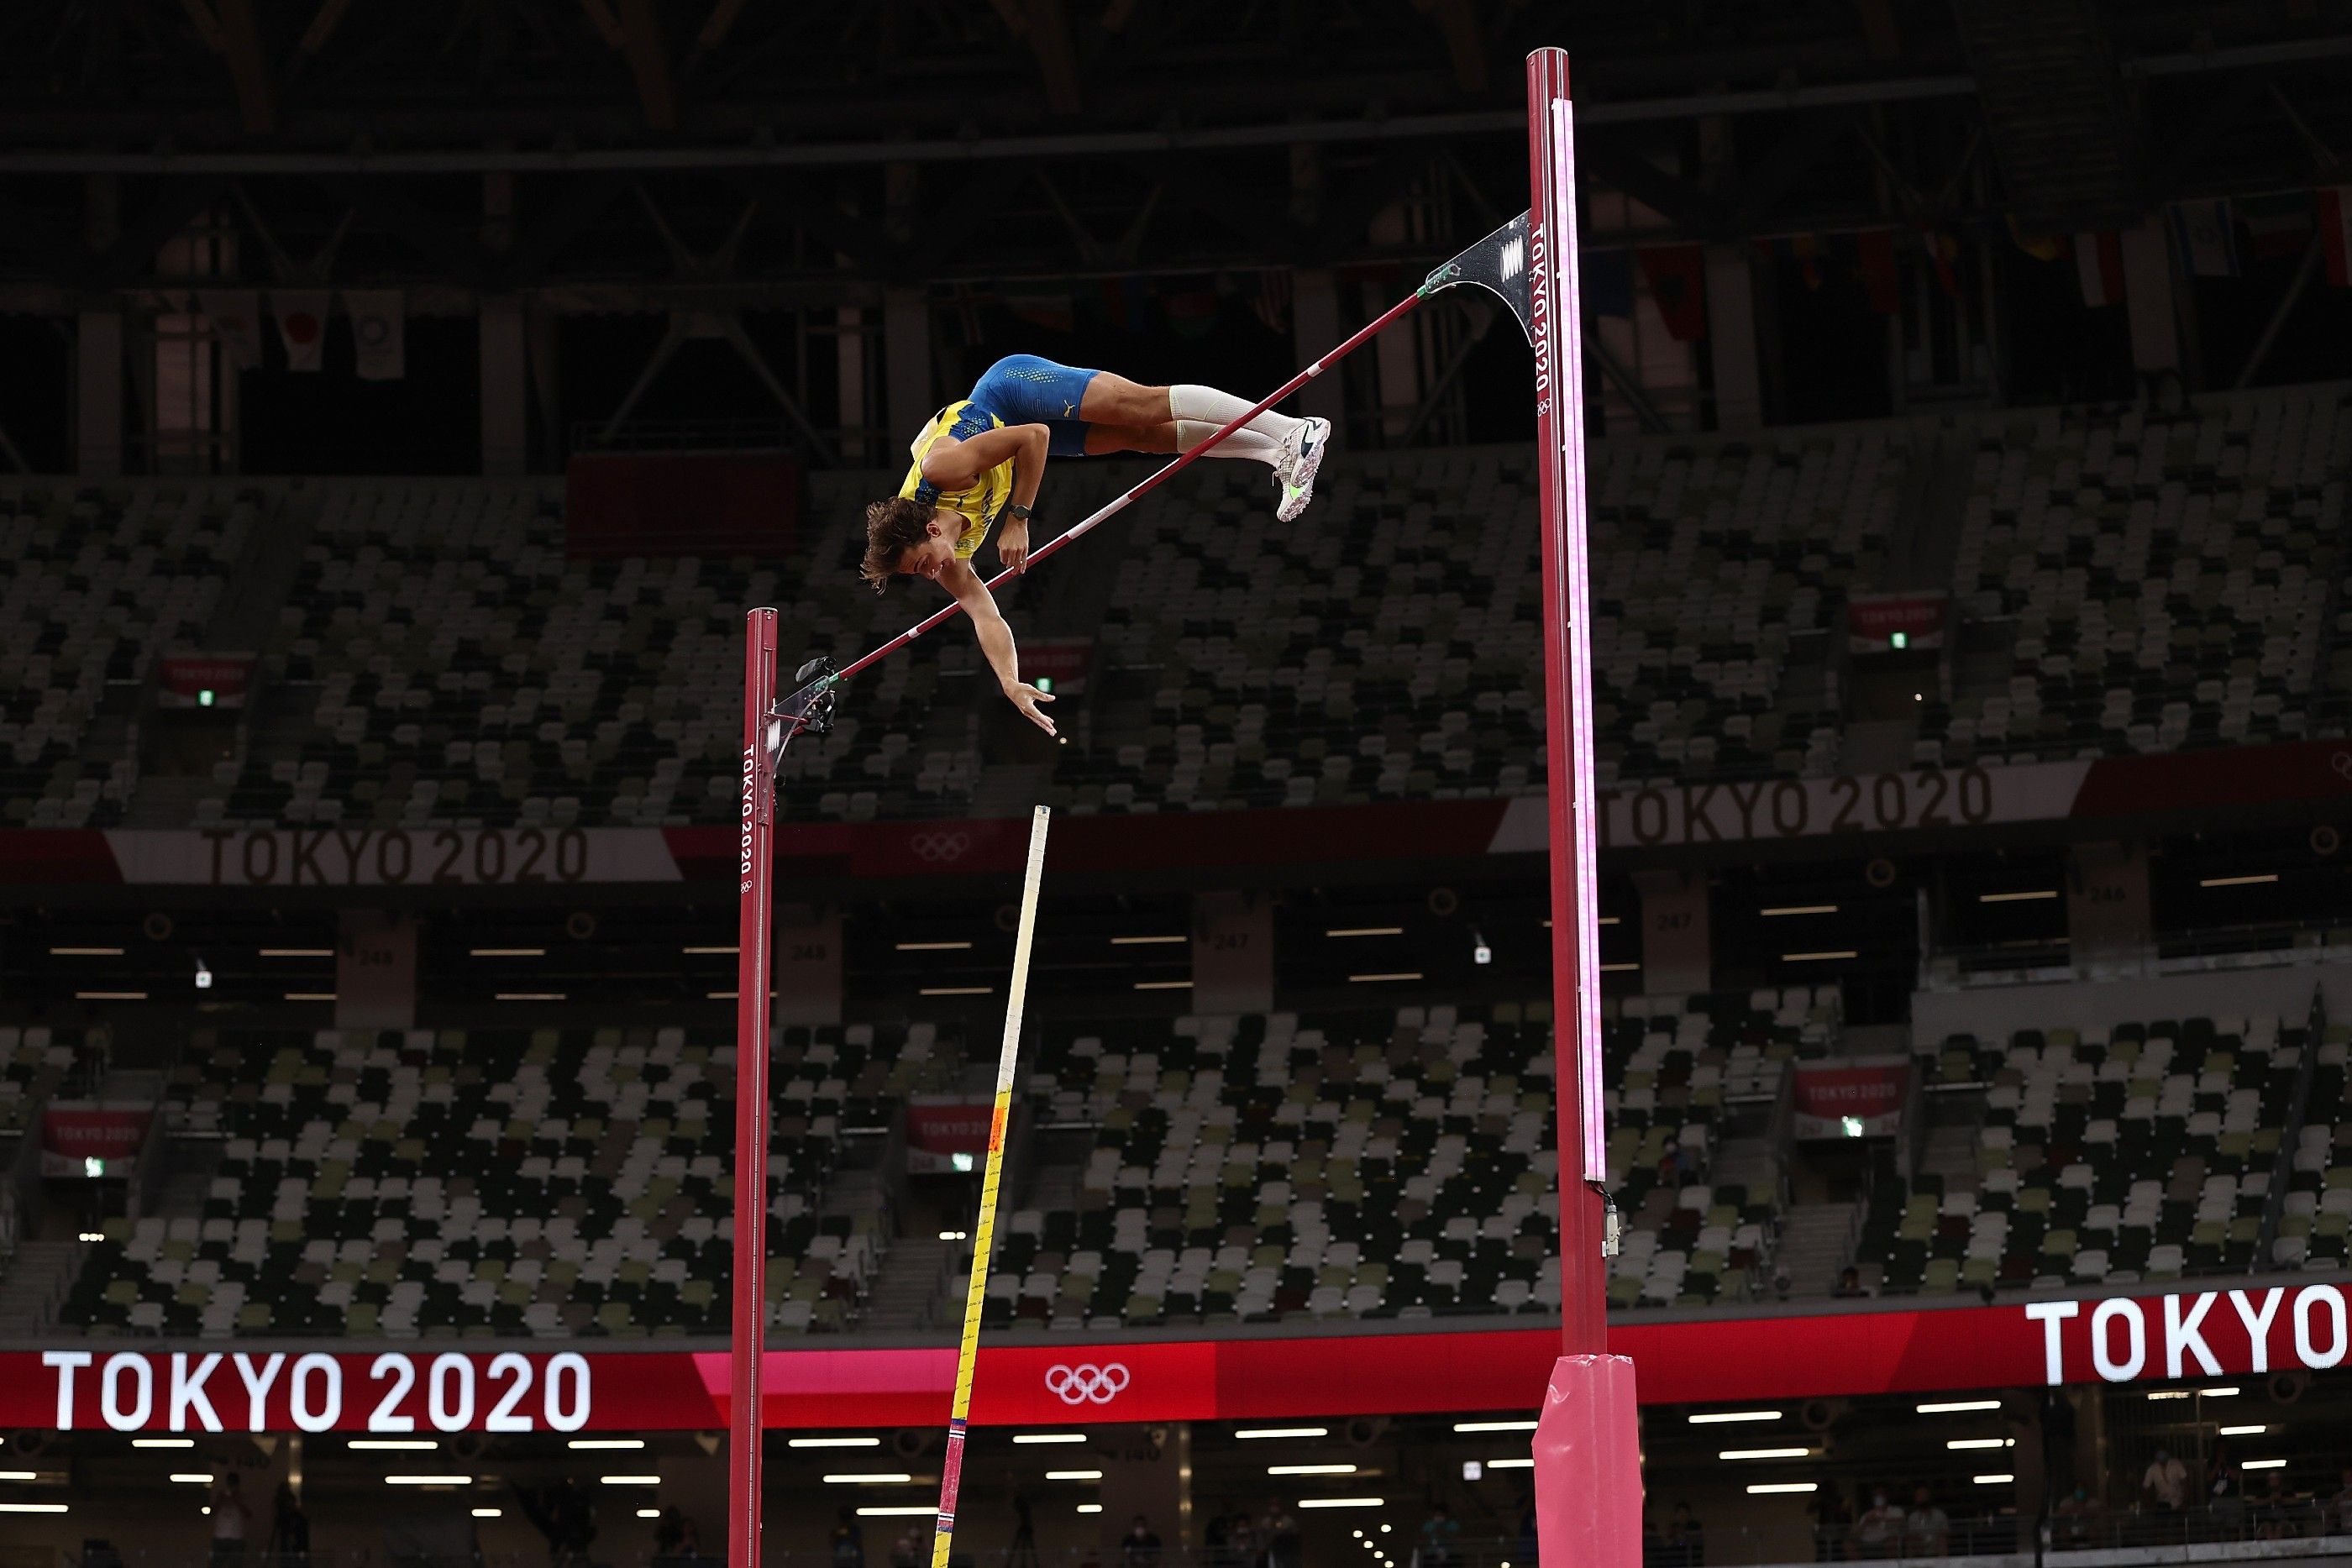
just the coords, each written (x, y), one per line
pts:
(1246, 441)
(1216, 408)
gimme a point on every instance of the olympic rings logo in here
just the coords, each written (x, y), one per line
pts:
(937, 847)
(1085, 1384)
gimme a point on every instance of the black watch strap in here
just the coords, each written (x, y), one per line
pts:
(1020, 511)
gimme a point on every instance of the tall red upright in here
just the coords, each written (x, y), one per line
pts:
(754, 940)
(1588, 1441)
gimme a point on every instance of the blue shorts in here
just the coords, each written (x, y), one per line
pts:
(1023, 389)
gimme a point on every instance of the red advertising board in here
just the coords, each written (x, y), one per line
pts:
(939, 1130)
(182, 679)
(1866, 1091)
(1064, 660)
(2249, 1330)
(1874, 620)
(73, 1132)
(2316, 775)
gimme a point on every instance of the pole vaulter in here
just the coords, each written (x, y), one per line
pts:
(1587, 1476)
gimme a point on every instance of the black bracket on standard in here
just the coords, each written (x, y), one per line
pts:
(808, 711)
(1498, 264)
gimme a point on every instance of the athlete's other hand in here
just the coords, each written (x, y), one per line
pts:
(1026, 697)
(1013, 544)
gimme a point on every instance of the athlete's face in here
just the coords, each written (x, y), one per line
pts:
(930, 558)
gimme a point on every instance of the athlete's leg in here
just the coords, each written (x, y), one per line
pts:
(1106, 438)
(1196, 413)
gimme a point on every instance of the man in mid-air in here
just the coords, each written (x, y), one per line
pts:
(978, 463)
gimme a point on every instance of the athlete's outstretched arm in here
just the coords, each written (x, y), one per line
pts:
(995, 640)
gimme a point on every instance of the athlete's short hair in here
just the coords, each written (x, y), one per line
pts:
(892, 529)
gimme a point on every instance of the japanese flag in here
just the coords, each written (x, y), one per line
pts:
(301, 325)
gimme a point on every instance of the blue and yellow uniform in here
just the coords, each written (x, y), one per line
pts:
(977, 502)
(1020, 389)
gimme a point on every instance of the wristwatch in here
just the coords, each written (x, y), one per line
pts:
(1022, 512)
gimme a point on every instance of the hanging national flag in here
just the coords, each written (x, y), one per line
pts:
(1875, 253)
(379, 332)
(235, 318)
(1605, 277)
(1807, 250)
(1943, 252)
(2206, 234)
(301, 325)
(2041, 247)
(1677, 277)
(965, 307)
(1271, 305)
(1192, 312)
(2336, 233)
(2099, 264)
(2277, 224)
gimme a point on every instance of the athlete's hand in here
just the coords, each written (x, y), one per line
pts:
(1026, 697)
(1013, 544)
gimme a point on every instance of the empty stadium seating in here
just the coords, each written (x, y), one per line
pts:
(1673, 1064)
(99, 581)
(35, 1063)
(2125, 581)
(2142, 1152)
(2318, 1210)
(1429, 559)
(2168, 578)
(495, 1181)
(1389, 1163)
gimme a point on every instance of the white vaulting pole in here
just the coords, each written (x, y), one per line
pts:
(983, 1234)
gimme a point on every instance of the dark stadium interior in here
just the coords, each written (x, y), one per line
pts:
(404, 402)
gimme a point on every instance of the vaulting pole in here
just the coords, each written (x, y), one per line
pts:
(983, 1234)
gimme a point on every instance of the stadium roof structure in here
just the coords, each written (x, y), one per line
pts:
(806, 151)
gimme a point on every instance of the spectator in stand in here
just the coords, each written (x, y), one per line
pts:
(1926, 1528)
(289, 1531)
(1849, 1285)
(231, 1519)
(2225, 1495)
(1241, 1540)
(1878, 1533)
(1141, 1547)
(907, 1551)
(1440, 1538)
(1832, 1523)
(2271, 1506)
(1687, 1535)
(2339, 1506)
(563, 1514)
(2164, 1486)
(1025, 1533)
(1282, 1546)
(848, 1543)
(2075, 1510)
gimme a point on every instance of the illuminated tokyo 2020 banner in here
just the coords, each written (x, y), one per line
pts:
(2247, 1330)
